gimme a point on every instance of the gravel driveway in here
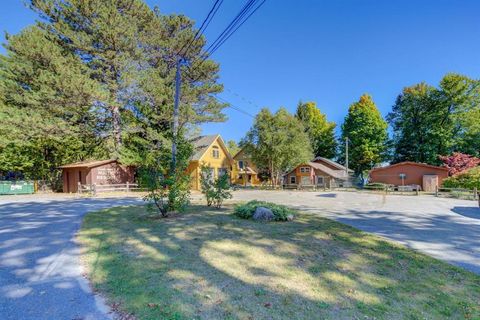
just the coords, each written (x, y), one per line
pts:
(447, 229)
(40, 273)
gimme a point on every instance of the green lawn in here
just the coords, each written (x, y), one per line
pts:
(208, 264)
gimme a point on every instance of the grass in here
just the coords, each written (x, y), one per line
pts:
(209, 264)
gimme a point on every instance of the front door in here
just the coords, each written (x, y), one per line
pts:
(320, 181)
(306, 180)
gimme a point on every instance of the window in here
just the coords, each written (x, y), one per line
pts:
(215, 152)
(305, 169)
(240, 164)
(293, 180)
(320, 181)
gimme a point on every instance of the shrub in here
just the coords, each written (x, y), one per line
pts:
(246, 210)
(215, 190)
(376, 186)
(466, 180)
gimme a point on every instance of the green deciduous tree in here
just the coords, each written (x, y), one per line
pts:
(319, 130)
(367, 133)
(277, 142)
(233, 147)
(428, 122)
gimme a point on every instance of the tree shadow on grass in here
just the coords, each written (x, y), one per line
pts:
(209, 264)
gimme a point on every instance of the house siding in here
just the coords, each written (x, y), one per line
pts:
(414, 174)
(222, 162)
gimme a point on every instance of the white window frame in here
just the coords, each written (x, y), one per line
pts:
(305, 169)
(215, 152)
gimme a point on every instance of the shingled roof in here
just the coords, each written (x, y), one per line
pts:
(201, 144)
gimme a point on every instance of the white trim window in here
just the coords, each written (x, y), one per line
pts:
(293, 180)
(215, 152)
(305, 169)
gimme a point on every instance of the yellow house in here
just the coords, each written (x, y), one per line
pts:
(244, 172)
(212, 152)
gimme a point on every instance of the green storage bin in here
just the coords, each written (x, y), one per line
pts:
(16, 187)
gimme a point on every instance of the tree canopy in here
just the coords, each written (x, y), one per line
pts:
(428, 122)
(320, 132)
(278, 142)
(95, 79)
(366, 131)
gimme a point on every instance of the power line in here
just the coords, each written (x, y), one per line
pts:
(230, 105)
(248, 17)
(202, 28)
(232, 27)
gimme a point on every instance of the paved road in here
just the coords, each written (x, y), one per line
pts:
(448, 229)
(40, 273)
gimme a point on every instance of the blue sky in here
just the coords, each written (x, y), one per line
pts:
(330, 52)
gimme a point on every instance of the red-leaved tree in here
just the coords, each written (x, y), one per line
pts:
(459, 162)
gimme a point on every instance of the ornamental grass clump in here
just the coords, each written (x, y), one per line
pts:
(246, 210)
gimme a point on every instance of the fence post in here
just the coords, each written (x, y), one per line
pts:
(128, 186)
(94, 189)
(436, 191)
(475, 194)
(79, 188)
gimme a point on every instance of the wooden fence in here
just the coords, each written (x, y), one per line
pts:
(94, 188)
(469, 194)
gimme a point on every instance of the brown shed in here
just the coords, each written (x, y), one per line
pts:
(100, 172)
(410, 173)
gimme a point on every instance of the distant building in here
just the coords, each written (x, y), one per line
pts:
(244, 172)
(209, 151)
(319, 173)
(100, 172)
(408, 173)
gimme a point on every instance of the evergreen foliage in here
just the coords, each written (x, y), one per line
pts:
(95, 80)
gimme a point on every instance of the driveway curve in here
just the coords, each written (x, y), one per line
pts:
(40, 273)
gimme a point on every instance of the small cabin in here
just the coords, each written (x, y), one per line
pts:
(102, 172)
(427, 177)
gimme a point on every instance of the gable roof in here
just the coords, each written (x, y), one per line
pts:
(332, 163)
(202, 143)
(418, 164)
(338, 174)
(87, 164)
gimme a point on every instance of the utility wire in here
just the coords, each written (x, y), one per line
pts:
(230, 105)
(203, 27)
(245, 13)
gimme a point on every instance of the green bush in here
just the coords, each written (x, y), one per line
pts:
(246, 210)
(467, 180)
(376, 186)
